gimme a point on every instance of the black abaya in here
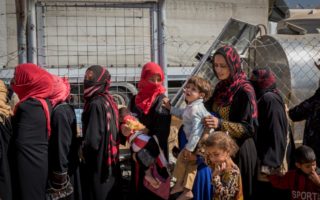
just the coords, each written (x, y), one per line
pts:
(99, 182)
(64, 146)
(158, 122)
(30, 151)
(5, 179)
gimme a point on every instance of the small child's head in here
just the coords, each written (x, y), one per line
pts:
(123, 113)
(197, 88)
(220, 147)
(305, 159)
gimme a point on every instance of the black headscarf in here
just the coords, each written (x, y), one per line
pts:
(99, 86)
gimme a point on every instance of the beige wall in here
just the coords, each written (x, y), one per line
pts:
(192, 25)
(8, 33)
(3, 33)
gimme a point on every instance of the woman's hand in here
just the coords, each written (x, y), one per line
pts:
(145, 131)
(211, 121)
(166, 103)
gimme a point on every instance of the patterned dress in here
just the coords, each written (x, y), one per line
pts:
(237, 121)
(228, 185)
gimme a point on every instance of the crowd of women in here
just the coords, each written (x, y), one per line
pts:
(43, 157)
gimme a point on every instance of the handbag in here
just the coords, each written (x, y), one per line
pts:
(163, 190)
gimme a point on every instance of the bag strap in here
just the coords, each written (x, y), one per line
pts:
(287, 139)
(161, 152)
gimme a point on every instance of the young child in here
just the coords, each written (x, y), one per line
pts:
(303, 182)
(196, 91)
(138, 140)
(226, 177)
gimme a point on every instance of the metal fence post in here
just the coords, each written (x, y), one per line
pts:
(31, 33)
(21, 30)
(161, 43)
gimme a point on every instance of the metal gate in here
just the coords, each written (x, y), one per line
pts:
(74, 36)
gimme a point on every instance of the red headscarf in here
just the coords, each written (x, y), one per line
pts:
(31, 81)
(61, 90)
(226, 89)
(148, 91)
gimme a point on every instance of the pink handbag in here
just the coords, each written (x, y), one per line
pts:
(163, 190)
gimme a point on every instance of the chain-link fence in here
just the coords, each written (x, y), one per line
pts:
(293, 59)
(74, 36)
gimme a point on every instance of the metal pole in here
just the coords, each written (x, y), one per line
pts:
(161, 43)
(31, 32)
(154, 31)
(21, 30)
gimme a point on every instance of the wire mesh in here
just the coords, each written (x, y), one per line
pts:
(74, 36)
(293, 60)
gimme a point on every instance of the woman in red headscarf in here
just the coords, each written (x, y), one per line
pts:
(275, 144)
(64, 176)
(146, 106)
(31, 131)
(234, 101)
(101, 170)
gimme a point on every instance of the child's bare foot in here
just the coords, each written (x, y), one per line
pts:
(187, 194)
(153, 182)
(176, 188)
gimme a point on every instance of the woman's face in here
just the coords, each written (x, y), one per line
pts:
(89, 75)
(221, 67)
(155, 79)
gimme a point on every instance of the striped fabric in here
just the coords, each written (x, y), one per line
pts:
(138, 141)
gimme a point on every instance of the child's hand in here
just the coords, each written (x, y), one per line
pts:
(218, 168)
(187, 155)
(166, 103)
(314, 177)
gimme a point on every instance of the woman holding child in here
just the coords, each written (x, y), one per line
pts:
(234, 101)
(146, 106)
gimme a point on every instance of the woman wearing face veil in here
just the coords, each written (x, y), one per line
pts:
(100, 131)
(146, 106)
